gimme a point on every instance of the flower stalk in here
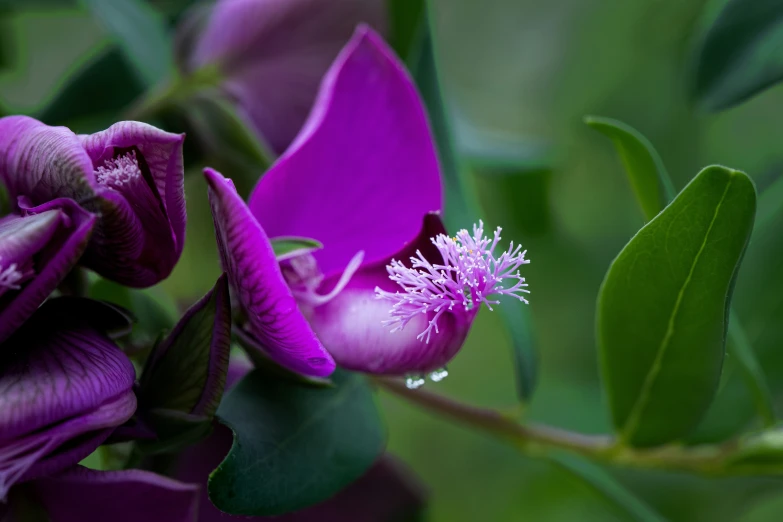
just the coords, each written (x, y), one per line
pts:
(730, 458)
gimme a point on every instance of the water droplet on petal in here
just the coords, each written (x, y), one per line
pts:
(414, 381)
(439, 375)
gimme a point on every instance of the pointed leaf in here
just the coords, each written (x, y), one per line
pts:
(294, 446)
(650, 181)
(740, 55)
(288, 247)
(140, 31)
(663, 307)
(187, 371)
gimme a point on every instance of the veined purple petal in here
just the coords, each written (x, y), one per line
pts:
(274, 53)
(84, 495)
(144, 166)
(63, 386)
(42, 162)
(363, 169)
(44, 243)
(255, 276)
(352, 328)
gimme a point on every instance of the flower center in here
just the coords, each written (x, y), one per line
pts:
(304, 277)
(470, 275)
(119, 171)
(12, 276)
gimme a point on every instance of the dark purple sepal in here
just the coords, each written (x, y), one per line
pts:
(83, 495)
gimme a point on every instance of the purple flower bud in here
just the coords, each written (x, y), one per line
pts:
(131, 175)
(361, 178)
(64, 386)
(273, 53)
(38, 247)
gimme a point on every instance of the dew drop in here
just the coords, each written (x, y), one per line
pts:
(439, 375)
(414, 381)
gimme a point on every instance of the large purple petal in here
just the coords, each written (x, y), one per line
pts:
(387, 492)
(363, 170)
(84, 495)
(150, 214)
(351, 325)
(255, 276)
(274, 53)
(62, 385)
(52, 244)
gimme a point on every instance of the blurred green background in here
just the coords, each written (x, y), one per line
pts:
(524, 73)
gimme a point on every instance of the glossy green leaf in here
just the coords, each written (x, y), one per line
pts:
(141, 32)
(288, 247)
(612, 491)
(740, 55)
(663, 308)
(650, 181)
(227, 141)
(187, 371)
(106, 83)
(643, 167)
(294, 446)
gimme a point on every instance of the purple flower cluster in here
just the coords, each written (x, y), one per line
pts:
(387, 292)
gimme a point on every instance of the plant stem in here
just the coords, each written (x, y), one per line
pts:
(541, 440)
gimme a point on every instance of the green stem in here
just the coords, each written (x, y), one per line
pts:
(541, 440)
(174, 92)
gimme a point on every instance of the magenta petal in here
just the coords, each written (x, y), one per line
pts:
(62, 385)
(53, 247)
(255, 276)
(274, 53)
(151, 209)
(84, 495)
(351, 325)
(363, 170)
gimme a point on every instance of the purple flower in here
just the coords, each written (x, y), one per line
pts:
(362, 178)
(64, 386)
(131, 175)
(38, 247)
(272, 54)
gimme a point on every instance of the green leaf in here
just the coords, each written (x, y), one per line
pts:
(663, 308)
(227, 140)
(650, 181)
(187, 371)
(294, 446)
(407, 19)
(155, 313)
(611, 490)
(740, 55)
(288, 247)
(140, 31)
(106, 83)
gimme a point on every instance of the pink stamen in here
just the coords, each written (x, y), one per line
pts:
(11, 277)
(469, 276)
(118, 171)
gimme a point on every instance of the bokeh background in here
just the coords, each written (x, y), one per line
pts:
(519, 74)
